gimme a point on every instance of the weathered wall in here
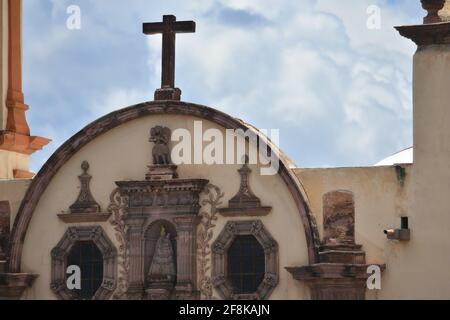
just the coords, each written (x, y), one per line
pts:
(123, 154)
(380, 200)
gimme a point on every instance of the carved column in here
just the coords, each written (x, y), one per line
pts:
(136, 258)
(186, 262)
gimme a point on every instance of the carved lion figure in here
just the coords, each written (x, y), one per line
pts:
(161, 152)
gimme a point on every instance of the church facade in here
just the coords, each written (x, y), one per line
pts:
(114, 207)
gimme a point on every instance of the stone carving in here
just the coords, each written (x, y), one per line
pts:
(339, 230)
(85, 202)
(162, 268)
(204, 236)
(245, 202)
(160, 136)
(175, 201)
(339, 218)
(219, 252)
(117, 207)
(162, 167)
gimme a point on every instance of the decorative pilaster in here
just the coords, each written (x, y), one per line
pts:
(136, 258)
(186, 262)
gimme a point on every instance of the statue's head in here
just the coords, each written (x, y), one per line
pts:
(160, 135)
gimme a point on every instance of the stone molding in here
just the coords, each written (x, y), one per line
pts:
(334, 281)
(15, 142)
(59, 261)
(427, 34)
(219, 265)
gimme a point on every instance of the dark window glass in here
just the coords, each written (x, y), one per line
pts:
(88, 257)
(246, 264)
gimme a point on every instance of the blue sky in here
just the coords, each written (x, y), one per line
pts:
(339, 92)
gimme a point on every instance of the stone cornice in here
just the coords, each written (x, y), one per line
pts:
(427, 34)
(20, 143)
(331, 271)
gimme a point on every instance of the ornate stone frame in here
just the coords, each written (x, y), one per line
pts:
(59, 261)
(219, 259)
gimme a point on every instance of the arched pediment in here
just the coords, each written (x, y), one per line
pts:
(120, 117)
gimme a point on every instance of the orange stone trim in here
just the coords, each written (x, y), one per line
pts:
(22, 174)
(16, 120)
(20, 143)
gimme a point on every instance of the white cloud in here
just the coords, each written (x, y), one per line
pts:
(116, 99)
(341, 93)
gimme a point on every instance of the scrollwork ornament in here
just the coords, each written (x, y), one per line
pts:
(117, 207)
(205, 234)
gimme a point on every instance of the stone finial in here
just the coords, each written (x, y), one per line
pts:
(85, 202)
(245, 197)
(432, 7)
(5, 216)
(245, 202)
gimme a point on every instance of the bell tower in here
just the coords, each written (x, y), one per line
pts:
(16, 142)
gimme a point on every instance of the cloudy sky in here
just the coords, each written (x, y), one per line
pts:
(339, 91)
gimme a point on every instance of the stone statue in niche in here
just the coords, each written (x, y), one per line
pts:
(161, 152)
(339, 218)
(162, 268)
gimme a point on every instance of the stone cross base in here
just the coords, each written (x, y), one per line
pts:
(168, 94)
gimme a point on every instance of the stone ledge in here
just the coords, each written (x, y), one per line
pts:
(334, 281)
(84, 217)
(331, 271)
(245, 212)
(427, 34)
(12, 285)
(15, 142)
